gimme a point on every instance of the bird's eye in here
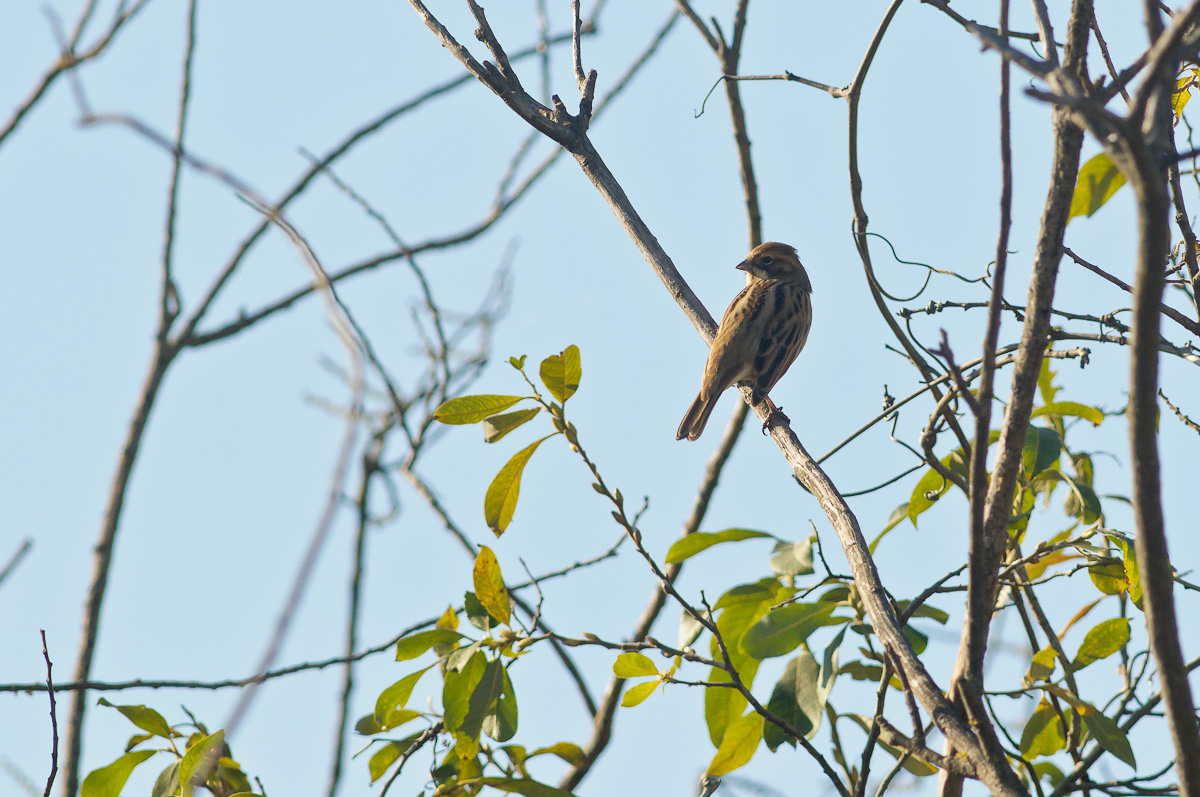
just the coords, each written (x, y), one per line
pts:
(768, 260)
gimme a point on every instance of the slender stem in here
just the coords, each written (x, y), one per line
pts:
(370, 466)
(967, 685)
(1150, 183)
(102, 559)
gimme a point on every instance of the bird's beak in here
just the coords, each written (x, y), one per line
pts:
(743, 266)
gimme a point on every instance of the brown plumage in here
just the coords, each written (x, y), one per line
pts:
(761, 333)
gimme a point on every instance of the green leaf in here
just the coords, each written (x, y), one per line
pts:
(1042, 449)
(1067, 697)
(473, 409)
(1041, 666)
(837, 594)
(571, 753)
(108, 781)
(462, 656)
(1046, 770)
(167, 782)
(1043, 734)
(689, 629)
(738, 747)
(636, 694)
(795, 699)
(792, 558)
(740, 607)
(633, 665)
(1098, 180)
(387, 755)
(501, 499)
(561, 373)
(517, 362)
(410, 647)
(692, 544)
(145, 718)
(198, 762)
(396, 695)
(529, 788)
(895, 519)
(489, 585)
(925, 610)
(500, 720)
(1109, 577)
(497, 426)
(476, 614)
(137, 739)
(457, 693)
(1133, 578)
(1046, 382)
(1084, 472)
(829, 668)
(480, 704)
(918, 640)
(1071, 408)
(1103, 640)
(781, 631)
(933, 484)
(1082, 501)
(862, 672)
(765, 589)
(384, 757)
(367, 725)
(1109, 736)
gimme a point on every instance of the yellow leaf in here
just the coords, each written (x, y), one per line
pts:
(1098, 180)
(489, 585)
(638, 693)
(737, 748)
(632, 665)
(500, 501)
(561, 373)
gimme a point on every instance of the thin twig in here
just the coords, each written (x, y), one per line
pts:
(1166, 309)
(69, 59)
(53, 717)
(370, 466)
(1195, 427)
(15, 559)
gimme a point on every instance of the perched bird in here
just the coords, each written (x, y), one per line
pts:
(761, 333)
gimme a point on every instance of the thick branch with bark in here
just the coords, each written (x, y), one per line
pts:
(989, 537)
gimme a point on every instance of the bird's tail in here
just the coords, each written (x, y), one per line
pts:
(696, 418)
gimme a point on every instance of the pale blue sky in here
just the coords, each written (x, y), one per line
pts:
(236, 461)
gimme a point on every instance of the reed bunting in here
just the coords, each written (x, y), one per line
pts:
(761, 333)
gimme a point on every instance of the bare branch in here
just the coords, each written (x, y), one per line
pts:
(69, 59)
(370, 467)
(1188, 422)
(53, 719)
(1166, 309)
(15, 559)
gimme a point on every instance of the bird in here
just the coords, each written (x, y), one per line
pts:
(762, 331)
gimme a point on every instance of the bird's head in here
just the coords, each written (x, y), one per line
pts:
(773, 261)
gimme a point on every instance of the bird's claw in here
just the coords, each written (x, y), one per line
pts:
(776, 413)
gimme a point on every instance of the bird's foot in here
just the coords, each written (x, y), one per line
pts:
(776, 414)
